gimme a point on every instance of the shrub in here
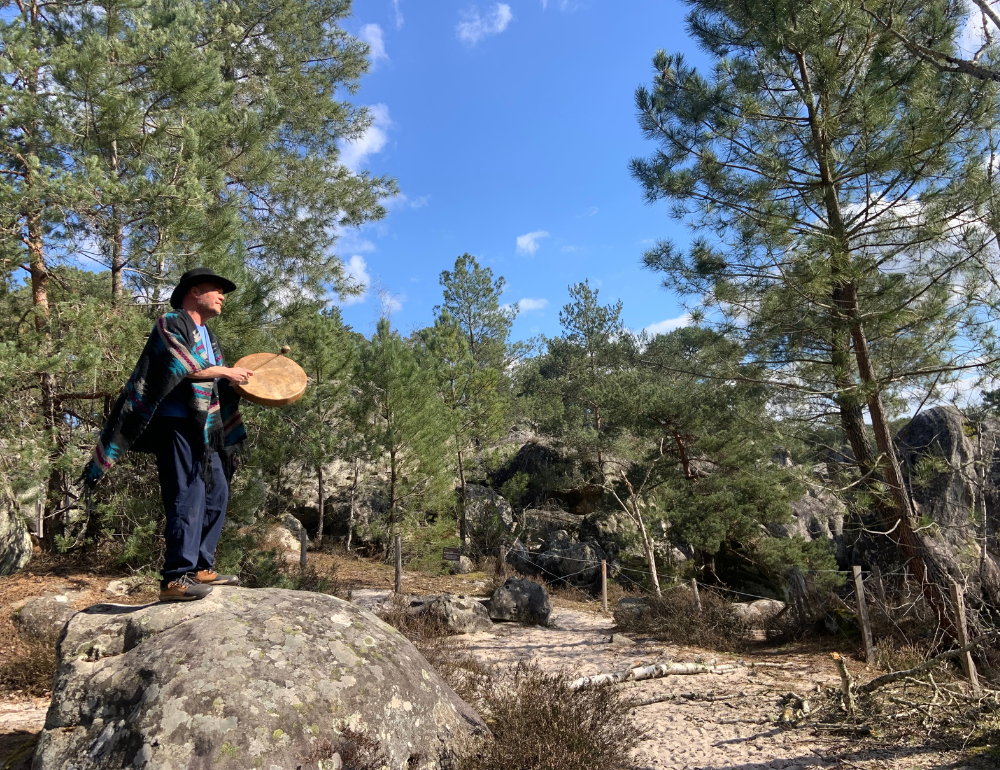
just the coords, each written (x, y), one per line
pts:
(674, 617)
(538, 723)
(419, 628)
(27, 663)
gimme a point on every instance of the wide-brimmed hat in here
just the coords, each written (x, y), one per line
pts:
(195, 277)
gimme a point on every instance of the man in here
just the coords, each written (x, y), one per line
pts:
(179, 405)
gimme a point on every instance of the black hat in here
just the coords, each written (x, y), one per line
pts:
(195, 277)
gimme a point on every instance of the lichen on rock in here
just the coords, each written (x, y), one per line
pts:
(244, 678)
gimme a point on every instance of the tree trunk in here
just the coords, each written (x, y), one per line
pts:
(397, 540)
(322, 504)
(911, 549)
(463, 527)
(117, 257)
(350, 514)
(647, 544)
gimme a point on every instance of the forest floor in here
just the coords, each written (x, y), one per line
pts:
(738, 733)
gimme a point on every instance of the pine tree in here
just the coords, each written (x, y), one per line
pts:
(398, 412)
(836, 182)
(473, 396)
(472, 301)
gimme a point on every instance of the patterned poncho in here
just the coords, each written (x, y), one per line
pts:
(173, 351)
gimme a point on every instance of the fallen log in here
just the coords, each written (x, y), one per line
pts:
(895, 676)
(685, 696)
(669, 668)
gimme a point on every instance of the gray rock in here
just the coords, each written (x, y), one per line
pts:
(46, 616)
(462, 614)
(484, 507)
(244, 678)
(756, 614)
(464, 566)
(817, 515)
(620, 640)
(521, 600)
(577, 564)
(630, 609)
(15, 542)
(942, 457)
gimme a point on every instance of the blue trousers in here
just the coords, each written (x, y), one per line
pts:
(195, 514)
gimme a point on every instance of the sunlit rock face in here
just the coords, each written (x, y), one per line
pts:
(244, 678)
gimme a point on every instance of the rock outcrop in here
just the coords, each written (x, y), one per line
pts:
(46, 616)
(15, 542)
(520, 600)
(562, 559)
(817, 515)
(952, 469)
(462, 614)
(242, 679)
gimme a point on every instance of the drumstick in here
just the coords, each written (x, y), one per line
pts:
(284, 349)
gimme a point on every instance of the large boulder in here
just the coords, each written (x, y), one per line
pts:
(46, 616)
(521, 600)
(952, 470)
(489, 519)
(15, 542)
(563, 559)
(462, 614)
(817, 515)
(243, 679)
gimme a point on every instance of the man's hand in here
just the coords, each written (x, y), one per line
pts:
(239, 375)
(236, 374)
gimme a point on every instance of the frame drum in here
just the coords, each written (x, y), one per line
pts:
(276, 381)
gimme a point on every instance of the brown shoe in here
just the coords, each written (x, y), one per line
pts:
(184, 589)
(207, 577)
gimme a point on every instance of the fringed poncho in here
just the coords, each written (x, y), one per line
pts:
(173, 351)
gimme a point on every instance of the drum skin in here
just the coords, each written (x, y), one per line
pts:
(277, 380)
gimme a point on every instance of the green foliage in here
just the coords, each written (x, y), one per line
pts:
(776, 556)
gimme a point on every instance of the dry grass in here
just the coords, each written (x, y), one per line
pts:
(674, 618)
(27, 663)
(538, 723)
(419, 628)
(357, 750)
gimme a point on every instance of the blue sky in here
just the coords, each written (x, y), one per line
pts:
(509, 127)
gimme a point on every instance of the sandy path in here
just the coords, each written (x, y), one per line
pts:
(737, 734)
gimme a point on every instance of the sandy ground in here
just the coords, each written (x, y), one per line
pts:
(740, 733)
(737, 734)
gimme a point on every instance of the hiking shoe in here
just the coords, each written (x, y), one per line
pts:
(184, 589)
(207, 577)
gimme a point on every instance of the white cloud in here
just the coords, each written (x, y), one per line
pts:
(528, 304)
(662, 327)
(528, 243)
(404, 201)
(372, 34)
(399, 14)
(592, 211)
(473, 27)
(351, 240)
(354, 154)
(564, 5)
(356, 270)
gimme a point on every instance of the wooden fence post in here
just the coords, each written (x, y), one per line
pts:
(303, 545)
(604, 585)
(958, 600)
(697, 596)
(866, 626)
(503, 562)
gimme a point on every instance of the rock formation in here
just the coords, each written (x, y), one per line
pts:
(243, 679)
(520, 600)
(15, 542)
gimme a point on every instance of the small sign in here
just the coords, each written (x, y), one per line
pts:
(451, 554)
